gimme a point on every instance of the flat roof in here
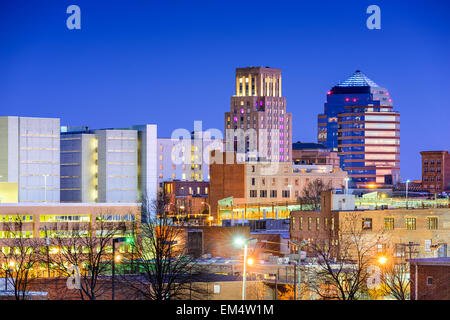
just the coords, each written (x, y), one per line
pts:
(74, 204)
(431, 261)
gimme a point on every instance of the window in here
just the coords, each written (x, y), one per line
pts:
(273, 193)
(263, 193)
(332, 223)
(253, 181)
(300, 226)
(429, 281)
(293, 223)
(388, 223)
(432, 223)
(253, 194)
(410, 223)
(317, 223)
(309, 223)
(285, 193)
(367, 223)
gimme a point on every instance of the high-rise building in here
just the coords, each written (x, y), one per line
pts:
(29, 159)
(360, 123)
(435, 171)
(193, 164)
(108, 165)
(259, 110)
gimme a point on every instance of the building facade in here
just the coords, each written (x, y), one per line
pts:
(188, 160)
(253, 183)
(435, 171)
(109, 165)
(187, 199)
(428, 230)
(314, 154)
(430, 279)
(360, 123)
(258, 126)
(29, 159)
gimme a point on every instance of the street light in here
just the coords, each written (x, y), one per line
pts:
(239, 242)
(127, 240)
(407, 181)
(300, 245)
(382, 260)
(11, 265)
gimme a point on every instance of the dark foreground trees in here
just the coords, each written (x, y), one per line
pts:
(344, 261)
(85, 254)
(165, 271)
(20, 255)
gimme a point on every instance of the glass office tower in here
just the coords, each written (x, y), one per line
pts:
(359, 122)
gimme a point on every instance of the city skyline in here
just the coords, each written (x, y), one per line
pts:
(121, 63)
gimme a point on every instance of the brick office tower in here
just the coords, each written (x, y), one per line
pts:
(360, 123)
(435, 171)
(259, 108)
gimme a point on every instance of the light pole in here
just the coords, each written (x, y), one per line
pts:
(300, 245)
(244, 242)
(407, 181)
(116, 240)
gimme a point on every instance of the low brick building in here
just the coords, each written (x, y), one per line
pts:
(435, 171)
(215, 241)
(187, 199)
(428, 229)
(430, 279)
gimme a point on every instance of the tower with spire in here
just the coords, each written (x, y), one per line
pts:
(359, 122)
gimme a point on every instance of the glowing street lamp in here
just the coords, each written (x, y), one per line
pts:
(239, 242)
(382, 260)
(118, 258)
(407, 181)
(250, 261)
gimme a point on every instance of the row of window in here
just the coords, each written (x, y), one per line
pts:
(326, 223)
(367, 223)
(425, 162)
(273, 193)
(410, 223)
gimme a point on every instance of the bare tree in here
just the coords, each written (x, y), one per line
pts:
(87, 248)
(343, 261)
(395, 280)
(166, 271)
(312, 192)
(20, 254)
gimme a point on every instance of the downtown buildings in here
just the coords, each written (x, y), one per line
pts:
(259, 190)
(435, 171)
(29, 159)
(258, 126)
(360, 123)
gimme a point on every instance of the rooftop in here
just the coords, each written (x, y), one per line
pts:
(357, 79)
(431, 261)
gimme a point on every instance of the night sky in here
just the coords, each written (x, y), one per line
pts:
(171, 63)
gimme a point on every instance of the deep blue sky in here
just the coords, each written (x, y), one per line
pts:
(171, 63)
